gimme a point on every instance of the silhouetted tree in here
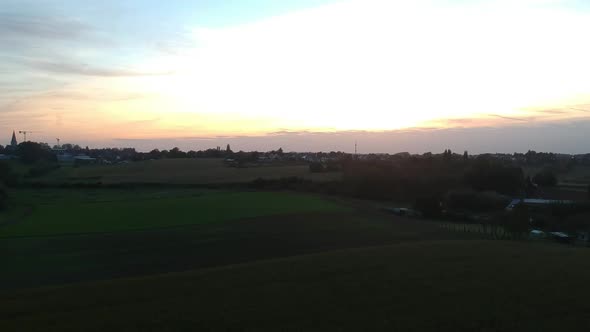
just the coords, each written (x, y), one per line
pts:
(486, 174)
(529, 187)
(545, 178)
(447, 155)
(175, 153)
(429, 206)
(517, 221)
(465, 156)
(228, 149)
(155, 154)
(71, 147)
(31, 152)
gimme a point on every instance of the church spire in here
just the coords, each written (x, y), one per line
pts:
(13, 142)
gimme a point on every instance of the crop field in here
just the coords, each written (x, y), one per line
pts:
(578, 175)
(57, 236)
(110, 211)
(137, 260)
(415, 286)
(572, 184)
(182, 171)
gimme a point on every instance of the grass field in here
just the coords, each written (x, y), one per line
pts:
(418, 286)
(212, 260)
(572, 184)
(85, 235)
(182, 171)
(67, 212)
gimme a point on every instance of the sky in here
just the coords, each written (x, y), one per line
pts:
(311, 75)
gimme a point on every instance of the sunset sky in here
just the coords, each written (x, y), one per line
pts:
(305, 75)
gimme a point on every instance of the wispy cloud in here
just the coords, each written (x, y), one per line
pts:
(87, 70)
(555, 111)
(510, 117)
(16, 25)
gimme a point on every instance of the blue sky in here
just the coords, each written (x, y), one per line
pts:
(191, 73)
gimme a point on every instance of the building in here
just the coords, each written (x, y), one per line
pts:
(535, 202)
(84, 160)
(13, 141)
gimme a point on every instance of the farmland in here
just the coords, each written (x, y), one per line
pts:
(186, 259)
(182, 171)
(413, 286)
(87, 235)
(69, 212)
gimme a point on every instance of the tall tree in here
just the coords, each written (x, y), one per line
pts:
(31, 152)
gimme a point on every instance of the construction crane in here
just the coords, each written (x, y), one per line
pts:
(25, 132)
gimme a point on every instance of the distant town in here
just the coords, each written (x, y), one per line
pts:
(68, 153)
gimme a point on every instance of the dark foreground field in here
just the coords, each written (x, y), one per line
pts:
(416, 286)
(324, 265)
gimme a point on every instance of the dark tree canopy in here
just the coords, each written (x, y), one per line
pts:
(31, 152)
(489, 175)
(545, 178)
(176, 153)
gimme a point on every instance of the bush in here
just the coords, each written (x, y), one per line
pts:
(518, 220)
(545, 178)
(429, 206)
(471, 200)
(3, 197)
(7, 175)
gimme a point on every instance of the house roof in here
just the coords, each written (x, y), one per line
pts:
(536, 201)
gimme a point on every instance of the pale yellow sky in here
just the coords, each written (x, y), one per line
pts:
(353, 65)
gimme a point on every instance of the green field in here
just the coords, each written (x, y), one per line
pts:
(181, 171)
(140, 260)
(111, 211)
